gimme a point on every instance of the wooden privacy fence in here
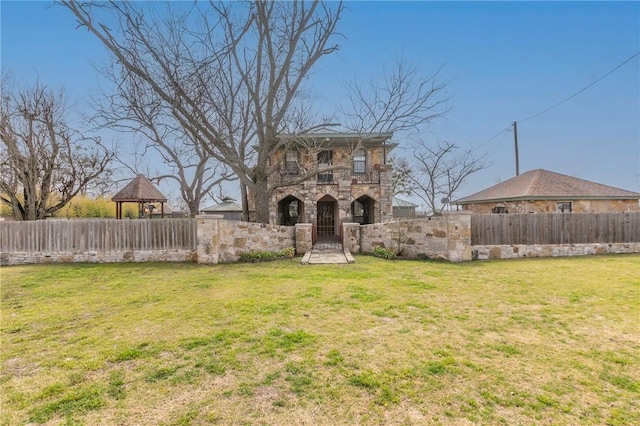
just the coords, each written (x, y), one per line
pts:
(555, 228)
(101, 235)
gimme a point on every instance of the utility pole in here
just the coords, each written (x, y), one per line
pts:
(515, 140)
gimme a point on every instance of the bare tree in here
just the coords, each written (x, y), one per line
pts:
(136, 110)
(228, 73)
(43, 162)
(402, 101)
(400, 183)
(436, 173)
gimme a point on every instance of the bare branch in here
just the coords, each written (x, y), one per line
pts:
(436, 173)
(402, 101)
(227, 73)
(43, 162)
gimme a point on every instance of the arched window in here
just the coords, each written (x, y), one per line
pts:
(360, 161)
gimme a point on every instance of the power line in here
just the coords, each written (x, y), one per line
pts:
(583, 89)
(497, 135)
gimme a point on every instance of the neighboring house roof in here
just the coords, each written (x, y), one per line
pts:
(227, 205)
(545, 185)
(140, 189)
(397, 202)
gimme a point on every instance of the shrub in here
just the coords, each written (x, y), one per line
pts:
(259, 256)
(383, 252)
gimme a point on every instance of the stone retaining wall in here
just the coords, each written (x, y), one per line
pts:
(446, 237)
(24, 258)
(551, 250)
(221, 241)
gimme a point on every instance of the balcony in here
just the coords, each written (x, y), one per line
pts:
(368, 175)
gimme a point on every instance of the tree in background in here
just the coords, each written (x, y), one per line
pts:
(400, 183)
(227, 73)
(135, 110)
(43, 162)
(401, 101)
(434, 174)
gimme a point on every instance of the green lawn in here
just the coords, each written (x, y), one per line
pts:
(532, 341)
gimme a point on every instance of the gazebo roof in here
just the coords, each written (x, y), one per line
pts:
(140, 189)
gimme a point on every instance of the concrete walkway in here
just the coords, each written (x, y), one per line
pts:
(327, 257)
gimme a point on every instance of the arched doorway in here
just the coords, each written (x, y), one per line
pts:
(362, 210)
(290, 211)
(326, 219)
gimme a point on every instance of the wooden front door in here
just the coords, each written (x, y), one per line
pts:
(326, 221)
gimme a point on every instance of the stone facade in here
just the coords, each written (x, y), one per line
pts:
(551, 206)
(358, 189)
(222, 241)
(446, 237)
(25, 258)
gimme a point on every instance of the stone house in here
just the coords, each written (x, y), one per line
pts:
(328, 178)
(542, 191)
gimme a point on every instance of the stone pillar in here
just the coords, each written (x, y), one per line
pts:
(458, 236)
(208, 227)
(351, 237)
(303, 237)
(386, 193)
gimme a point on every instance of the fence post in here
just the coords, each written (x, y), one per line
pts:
(458, 236)
(351, 237)
(303, 237)
(208, 227)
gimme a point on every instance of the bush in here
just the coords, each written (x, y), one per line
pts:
(260, 256)
(86, 207)
(383, 252)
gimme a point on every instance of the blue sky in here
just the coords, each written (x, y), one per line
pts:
(504, 62)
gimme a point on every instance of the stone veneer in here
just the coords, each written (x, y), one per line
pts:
(551, 206)
(551, 250)
(24, 258)
(343, 192)
(221, 241)
(446, 237)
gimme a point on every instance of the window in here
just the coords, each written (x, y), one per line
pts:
(360, 161)
(325, 159)
(564, 207)
(499, 208)
(291, 163)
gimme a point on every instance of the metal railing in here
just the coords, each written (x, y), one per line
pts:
(368, 175)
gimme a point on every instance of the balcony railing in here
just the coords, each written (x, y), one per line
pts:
(368, 175)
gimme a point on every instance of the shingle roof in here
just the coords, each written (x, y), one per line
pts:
(225, 206)
(140, 189)
(397, 202)
(545, 185)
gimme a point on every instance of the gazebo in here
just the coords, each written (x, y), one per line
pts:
(140, 190)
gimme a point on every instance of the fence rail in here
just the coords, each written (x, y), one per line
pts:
(102, 235)
(555, 228)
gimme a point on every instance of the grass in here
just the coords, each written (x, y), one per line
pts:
(532, 341)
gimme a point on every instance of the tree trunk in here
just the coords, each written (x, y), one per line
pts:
(193, 206)
(245, 202)
(261, 197)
